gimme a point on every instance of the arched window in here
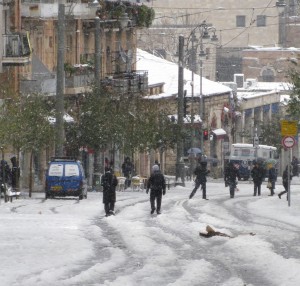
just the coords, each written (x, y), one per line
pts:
(268, 75)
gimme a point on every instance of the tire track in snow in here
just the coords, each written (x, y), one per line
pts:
(102, 251)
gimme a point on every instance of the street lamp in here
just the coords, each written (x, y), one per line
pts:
(206, 32)
(179, 158)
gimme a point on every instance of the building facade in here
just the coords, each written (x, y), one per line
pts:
(238, 24)
(269, 64)
(113, 43)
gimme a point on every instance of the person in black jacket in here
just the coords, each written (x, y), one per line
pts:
(257, 174)
(285, 182)
(272, 177)
(109, 183)
(157, 185)
(231, 173)
(15, 172)
(127, 170)
(5, 175)
(200, 172)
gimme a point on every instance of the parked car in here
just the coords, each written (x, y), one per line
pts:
(65, 177)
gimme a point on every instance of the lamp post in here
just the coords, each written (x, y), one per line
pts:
(60, 82)
(204, 30)
(193, 68)
(179, 158)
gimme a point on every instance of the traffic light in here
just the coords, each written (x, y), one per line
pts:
(185, 105)
(205, 134)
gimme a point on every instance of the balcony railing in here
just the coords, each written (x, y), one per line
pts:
(16, 49)
(120, 83)
(129, 82)
(82, 80)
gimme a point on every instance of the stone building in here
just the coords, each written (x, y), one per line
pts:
(217, 99)
(269, 64)
(239, 24)
(29, 35)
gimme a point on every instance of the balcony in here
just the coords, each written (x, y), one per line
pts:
(78, 78)
(127, 82)
(16, 49)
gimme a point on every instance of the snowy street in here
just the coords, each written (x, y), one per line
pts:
(70, 242)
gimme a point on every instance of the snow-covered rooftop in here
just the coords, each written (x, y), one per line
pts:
(259, 89)
(161, 70)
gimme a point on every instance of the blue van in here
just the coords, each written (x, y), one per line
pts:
(65, 177)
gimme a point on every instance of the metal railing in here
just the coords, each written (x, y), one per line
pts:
(16, 45)
(127, 82)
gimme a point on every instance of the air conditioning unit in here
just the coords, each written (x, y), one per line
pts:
(251, 82)
(239, 80)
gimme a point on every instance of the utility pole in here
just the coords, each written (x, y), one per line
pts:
(179, 159)
(201, 108)
(193, 69)
(60, 82)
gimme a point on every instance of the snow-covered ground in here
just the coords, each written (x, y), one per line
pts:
(70, 242)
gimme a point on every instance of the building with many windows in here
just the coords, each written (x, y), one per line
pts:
(239, 24)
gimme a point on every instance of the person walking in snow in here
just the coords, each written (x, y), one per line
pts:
(257, 174)
(285, 182)
(272, 177)
(200, 172)
(231, 173)
(157, 185)
(109, 183)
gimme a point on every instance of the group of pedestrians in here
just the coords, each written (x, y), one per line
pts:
(157, 184)
(231, 177)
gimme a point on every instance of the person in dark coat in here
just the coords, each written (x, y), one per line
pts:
(285, 182)
(109, 182)
(157, 185)
(231, 173)
(5, 175)
(295, 163)
(127, 170)
(200, 172)
(5, 172)
(15, 172)
(272, 177)
(257, 174)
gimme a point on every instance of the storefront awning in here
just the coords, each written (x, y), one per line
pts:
(219, 133)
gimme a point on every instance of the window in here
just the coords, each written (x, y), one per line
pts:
(241, 21)
(268, 75)
(71, 170)
(56, 170)
(207, 53)
(261, 20)
(50, 42)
